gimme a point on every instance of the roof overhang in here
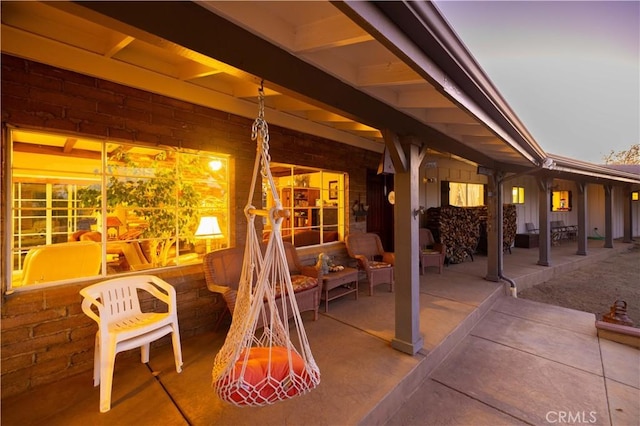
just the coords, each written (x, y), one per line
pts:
(567, 168)
(324, 73)
(345, 71)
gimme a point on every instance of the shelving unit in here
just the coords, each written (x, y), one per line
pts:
(302, 205)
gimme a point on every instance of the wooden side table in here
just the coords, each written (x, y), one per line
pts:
(333, 285)
(527, 240)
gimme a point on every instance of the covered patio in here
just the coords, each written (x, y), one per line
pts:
(486, 359)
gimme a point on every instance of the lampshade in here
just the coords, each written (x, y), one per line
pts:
(208, 227)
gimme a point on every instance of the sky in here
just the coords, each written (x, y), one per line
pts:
(570, 70)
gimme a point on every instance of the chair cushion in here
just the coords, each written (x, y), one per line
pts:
(266, 377)
(430, 252)
(299, 283)
(374, 264)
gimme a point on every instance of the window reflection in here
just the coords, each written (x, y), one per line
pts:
(466, 194)
(141, 204)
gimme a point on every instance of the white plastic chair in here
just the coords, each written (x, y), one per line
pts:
(123, 326)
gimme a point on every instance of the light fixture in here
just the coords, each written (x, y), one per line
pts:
(419, 210)
(359, 209)
(215, 165)
(208, 229)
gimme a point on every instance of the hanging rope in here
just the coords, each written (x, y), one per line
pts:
(257, 367)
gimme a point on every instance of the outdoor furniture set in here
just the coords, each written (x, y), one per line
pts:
(122, 325)
(222, 269)
(559, 231)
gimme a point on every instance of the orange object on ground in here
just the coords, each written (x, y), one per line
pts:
(265, 382)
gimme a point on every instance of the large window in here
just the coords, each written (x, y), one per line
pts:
(466, 194)
(315, 200)
(142, 205)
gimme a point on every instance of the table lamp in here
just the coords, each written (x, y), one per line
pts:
(208, 228)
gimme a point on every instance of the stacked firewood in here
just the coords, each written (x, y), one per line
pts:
(460, 229)
(509, 226)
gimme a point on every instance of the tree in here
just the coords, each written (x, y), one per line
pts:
(629, 156)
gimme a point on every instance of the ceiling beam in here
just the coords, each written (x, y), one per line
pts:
(214, 36)
(394, 148)
(69, 144)
(55, 150)
(334, 31)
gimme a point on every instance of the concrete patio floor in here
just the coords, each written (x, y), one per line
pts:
(487, 359)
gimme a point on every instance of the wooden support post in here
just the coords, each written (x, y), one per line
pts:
(582, 218)
(407, 337)
(544, 202)
(608, 216)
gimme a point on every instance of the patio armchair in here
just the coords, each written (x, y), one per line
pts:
(222, 270)
(378, 264)
(431, 252)
(122, 325)
(531, 228)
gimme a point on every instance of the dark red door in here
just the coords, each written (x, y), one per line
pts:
(380, 215)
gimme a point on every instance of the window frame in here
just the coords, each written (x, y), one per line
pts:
(517, 194)
(562, 196)
(309, 213)
(19, 175)
(481, 191)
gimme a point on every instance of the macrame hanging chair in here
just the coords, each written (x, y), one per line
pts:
(261, 366)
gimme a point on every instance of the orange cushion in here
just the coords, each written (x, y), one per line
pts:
(302, 282)
(265, 382)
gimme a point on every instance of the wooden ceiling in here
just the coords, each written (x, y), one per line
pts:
(350, 86)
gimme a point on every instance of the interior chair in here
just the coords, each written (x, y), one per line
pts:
(132, 253)
(115, 306)
(431, 252)
(76, 235)
(371, 258)
(60, 261)
(91, 236)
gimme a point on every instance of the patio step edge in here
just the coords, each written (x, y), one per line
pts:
(383, 411)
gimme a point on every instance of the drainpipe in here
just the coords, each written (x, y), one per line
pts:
(513, 289)
(548, 164)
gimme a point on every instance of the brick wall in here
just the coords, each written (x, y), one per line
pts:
(45, 335)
